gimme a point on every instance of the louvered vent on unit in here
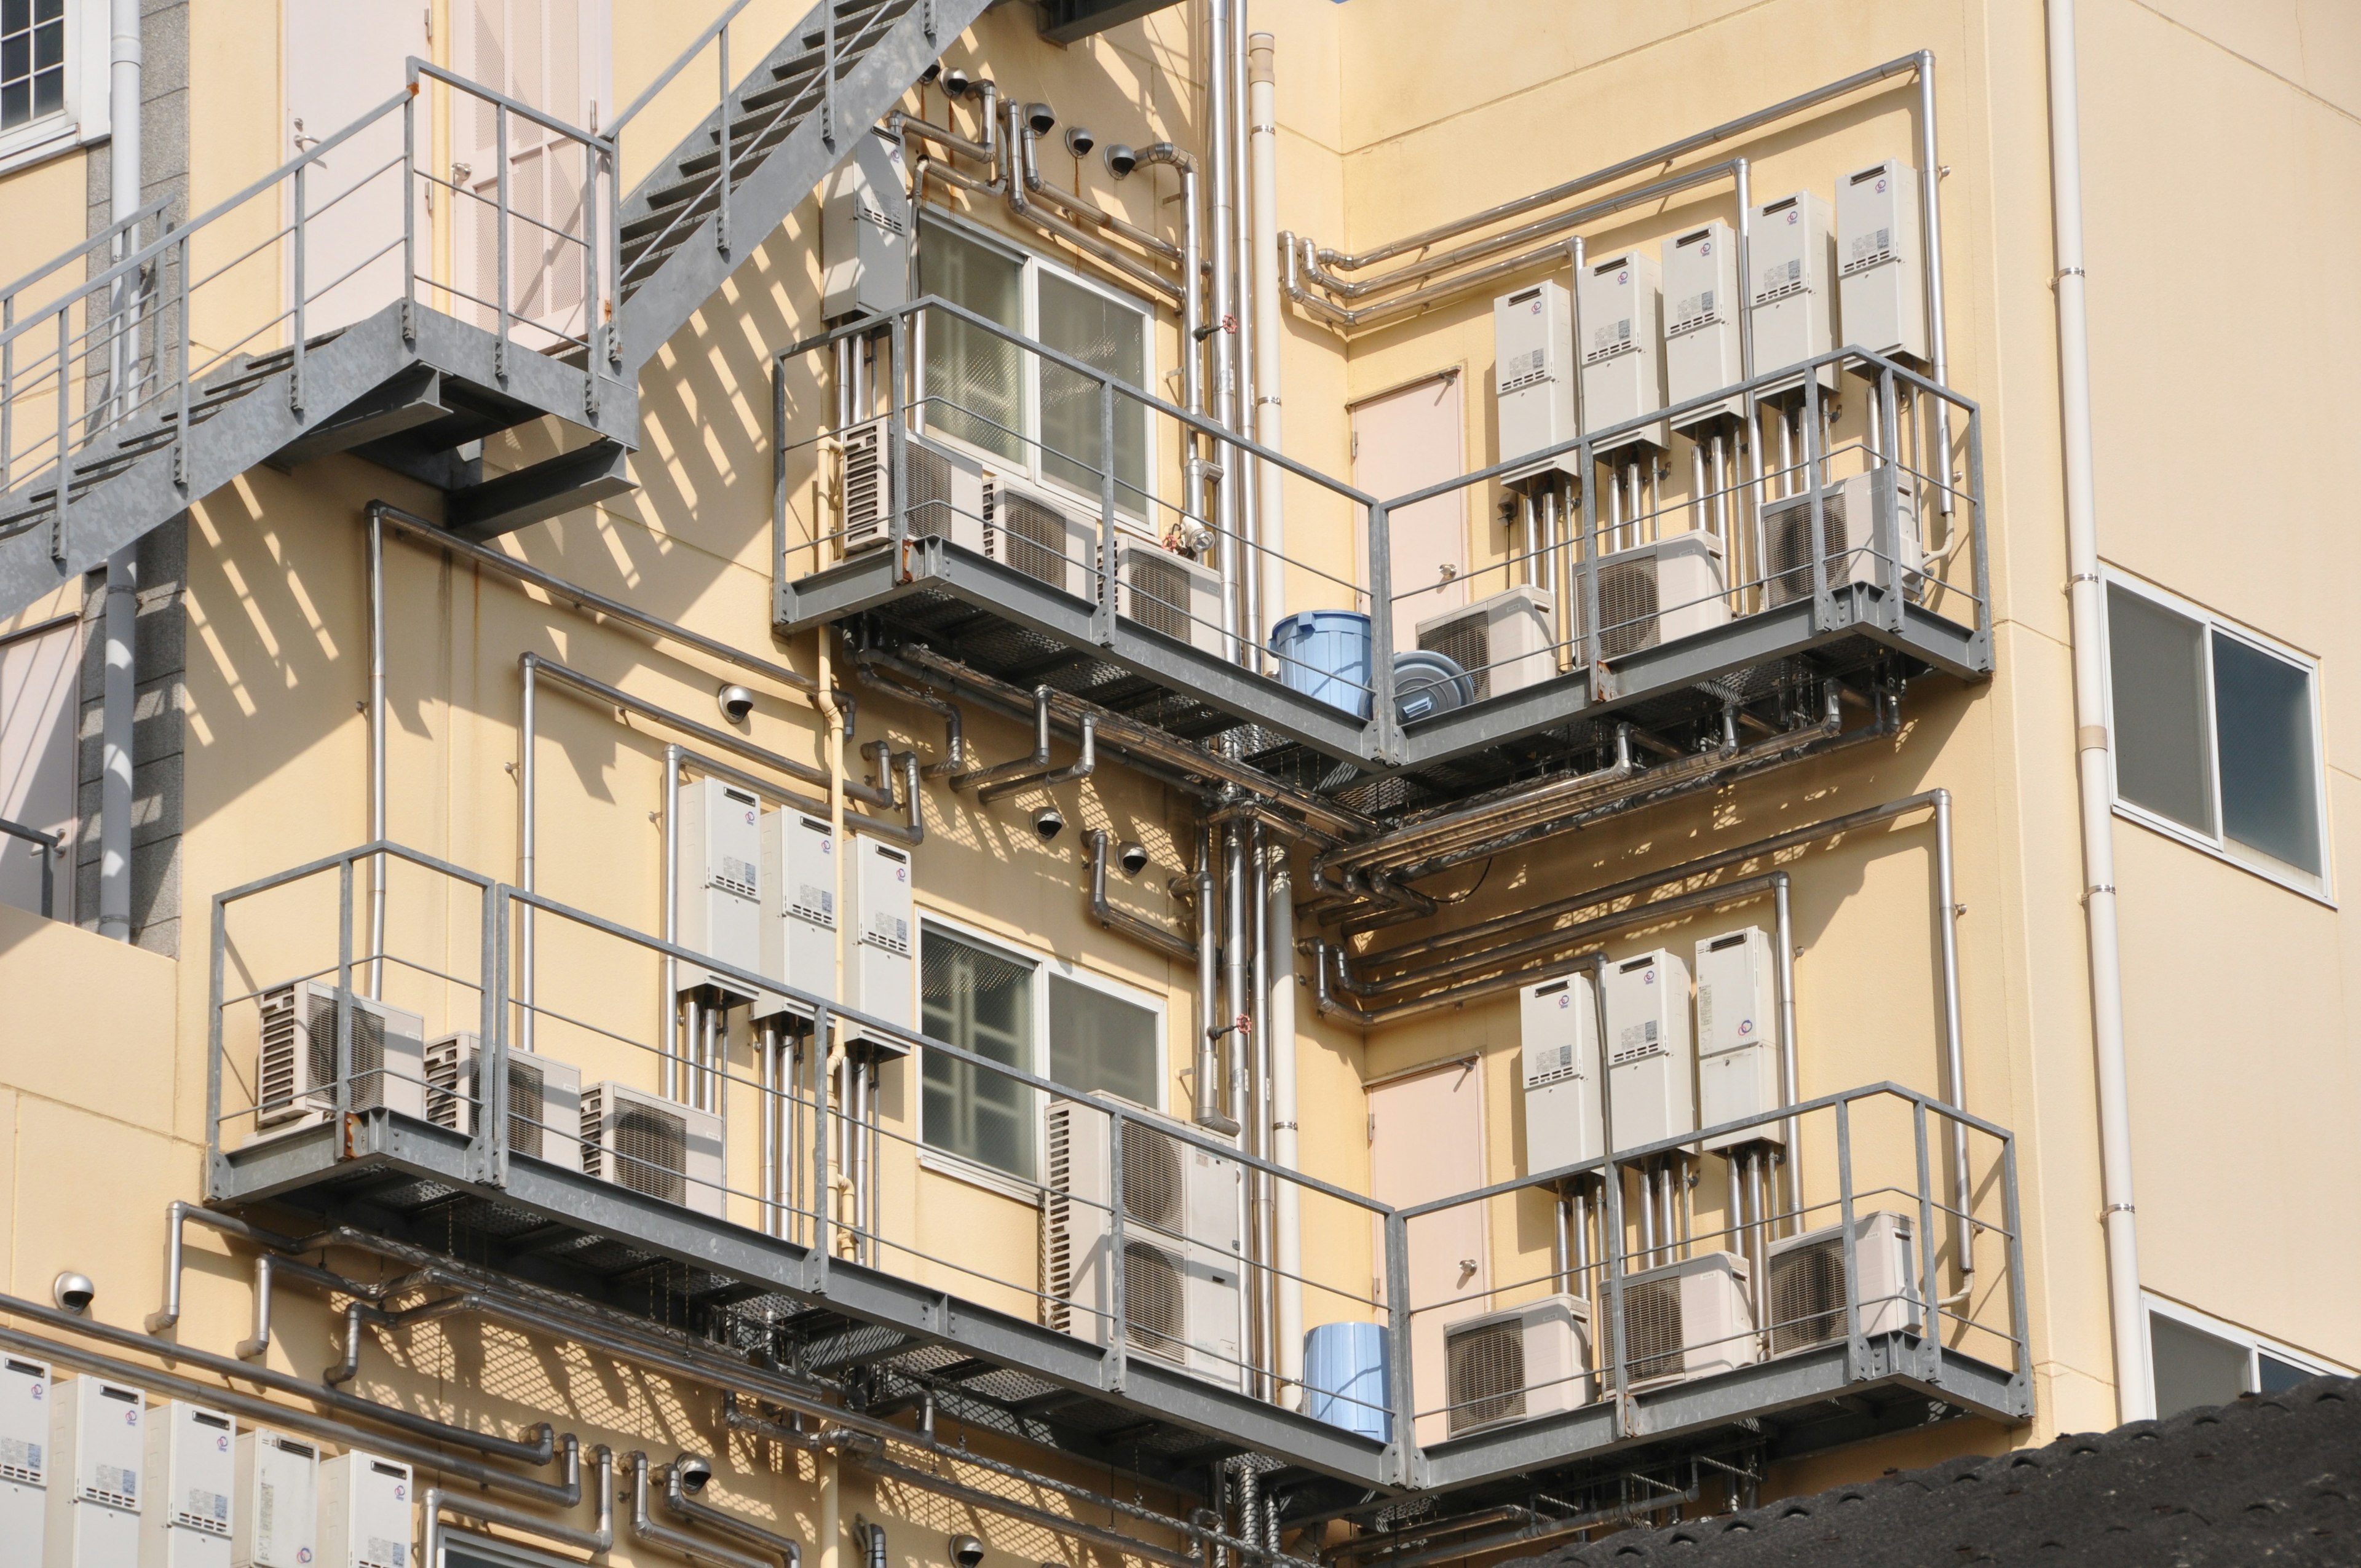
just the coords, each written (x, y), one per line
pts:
(1807, 1295)
(1653, 1343)
(1155, 1300)
(1466, 642)
(1153, 1190)
(652, 1153)
(368, 1051)
(1484, 1374)
(1034, 536)
(1058, 1215)
(1628, 608)
(930, 491)
(525, 1113)
(1790, 549)
(864, 484)
(1160, 594)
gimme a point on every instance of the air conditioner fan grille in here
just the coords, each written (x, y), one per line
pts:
(1484, 1373)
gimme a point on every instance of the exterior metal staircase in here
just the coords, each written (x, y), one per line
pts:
(152, 364)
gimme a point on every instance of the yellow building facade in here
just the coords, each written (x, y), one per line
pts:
(478, 602)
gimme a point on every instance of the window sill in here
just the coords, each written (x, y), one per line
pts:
(2294, 882)
(977, 1175)
(36, 148)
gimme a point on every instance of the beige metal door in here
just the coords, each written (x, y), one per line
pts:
(341, 59)
(1405, 441)
(39, 680)
(1427, 1141)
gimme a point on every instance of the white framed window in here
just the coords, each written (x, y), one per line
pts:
(1022, 414)
(52, 77)
(1041, 1016)
(2215, 733)
(2199, 1360)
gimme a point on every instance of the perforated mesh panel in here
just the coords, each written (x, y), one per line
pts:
(1033, 538)
(1789, 548)
(930, 489)
(368, 1051)
(524, 1108)
(1484, 1374)
(1155, 1307)
(651, 1152)
(1466, 642)
(1807, 1296)
(1153, 1190)
(1627, 604)
(1652, 1344)
(1160, 594)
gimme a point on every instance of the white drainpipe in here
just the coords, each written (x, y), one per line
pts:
(119, 681)
(2135, 1393)
(1263, 120)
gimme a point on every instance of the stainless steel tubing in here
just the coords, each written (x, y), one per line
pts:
(1122, 923)
(377, 749)
(436, 1502)
(1019, 175)
(1192, 316)
(1041, 775)
(1087, 212)
(1955, 1071)
(953, 763)
(1237, 1021)
(1789, 1055)
(1930, 198)
(1220, 128)
(789, 1552)
(1207, 1087)
(695, 1547)
(1036, 764)
(1057, 1523)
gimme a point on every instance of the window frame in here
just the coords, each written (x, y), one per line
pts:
(2256, 1345)
(950, 1162)
(1032, 265)
(2320, 887)
(83, 119)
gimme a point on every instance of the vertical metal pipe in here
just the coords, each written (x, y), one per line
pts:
(1562, 1240)
(1955, 1071)
(1784, 934)
(1265, 1230)
(1237, 1022)
(1561, 528)
(1930, 199)
(376, 748)
(1244, 237)
(1749, 419)
(1208, 1083)
(117, 692)
(680, 1071)
(668, 1003)
(2135, 1393)
(1271, 515)
(1219, 130)
(526, 850)
(1278, 1029)
(766, 1119)
(1699, 509)
(1529, 547)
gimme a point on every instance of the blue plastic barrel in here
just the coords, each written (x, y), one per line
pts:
(1326, 654)
(1345, 1379)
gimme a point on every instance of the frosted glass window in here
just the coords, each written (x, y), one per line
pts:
(2158, 665)
(975, 381)
(1109, 336)
(2263, 720)
(2193, 1367)
(982, 1002)
(1100, 1043)
(2214, 736)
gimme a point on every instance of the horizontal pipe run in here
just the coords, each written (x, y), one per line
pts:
(265, 1411)
(586, 598)
(1331, 1006)
(911, 831)
(1085, 762)
(953, 763)
(991, 1502)
(1122, 923)
(676, 1497)
(695, 1547)
(600, 1538)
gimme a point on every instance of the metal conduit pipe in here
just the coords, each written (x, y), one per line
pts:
(1206, 1087)
(1013, 186)
(695, 1547)
(677, 1498)
(1270, 496)
(1122, 923)
(1244, 470)
(1345, 261)
(255, 1409)
(1224, 324)
(902, 122)
(1279, 1025)
(1192, 317)
(991, 1502)
(1086, 212)
(1084, 763)
(953, 764)
(1393, 1543)
(1237, 1025)
(1036, 764)
(436, 1502)
(2094, 746)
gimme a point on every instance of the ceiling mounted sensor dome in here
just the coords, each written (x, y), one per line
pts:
(1427, 683)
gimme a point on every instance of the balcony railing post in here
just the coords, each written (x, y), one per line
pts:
(1118, 1324)
(1976, 522)
(2019, 1324)
(488, 1151)
(410, 193)
(296, 363)
(1109, 567)
(1929, 1303)
(181, 372)
(62, 492)
(1592, 644)
(1383, 738)
(721, 217)
(217, 964)
(1611, 1225)
(591, 280)
(1823, 602)
(828, 72)
(500, 207)
(823, 1243)
(344, 999)
(897, 442)
(1856, 1347)
(1409, 1462)
(1886, 509)
(612, 307)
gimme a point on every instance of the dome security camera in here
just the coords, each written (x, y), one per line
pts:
(736, 702)
(1049, 822)
(73, 1291)
(1134, 859)
(1041, 119)
(955, 82)
(1079, 141)
(967, 1552)
(1121, 159)
(696, 1470)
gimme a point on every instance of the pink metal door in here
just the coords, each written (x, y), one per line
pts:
(341, 59)
(1405, 441)
(1427, 1141)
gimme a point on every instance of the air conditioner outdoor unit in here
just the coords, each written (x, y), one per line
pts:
(1504, 642)
(24, 1451)
(297, 1084)
(1807, 1282)
(946, 490)
(648, 1144)
(276, 1510)
(1657, 592)
(544, 1098)
(1558, 1025)
(1035, 531)
(192, 1476)
(1689, 1319)
(1170, 593)
(1848, 539)
(1182, 1248)
(1514, 1365)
